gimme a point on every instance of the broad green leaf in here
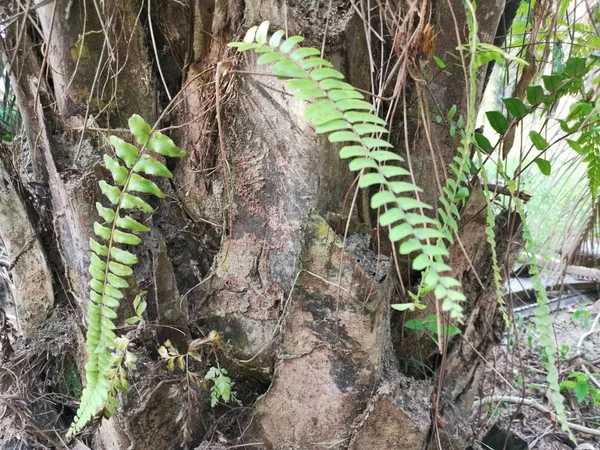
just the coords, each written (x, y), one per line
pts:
(113, 193)
(96, 273)
(543, 165)
(343, 136)
(302, 83)
(96, 285)
(129, 224)
(139, 128)
(409, 246)
(120, 269)
(452, 112)
(270, 57)
(384, 156)
(535, 95)
(101, 231)
(576, 146)
(581, 388)
(106, 213)
(371, 178)
(399, 187)
(576, 67)
(368, 128)
(400, 232)
(119, 173)
(321, 112)
(346, 105)
(276, 38)
(393, 171)
(331, 83)
(538, 140)
(261, 32)
(497, 121)
(289, 43)
(351, 151)
(552, 83)
(357, 116)
(131, 202)
(516, 107)
(126, 238)
(421, 262)
(117, 282)
(304, 52)
(287, 68)
(123, 256)
(151, 166)
(334, 125)
(125, 151)
(309, 94)
(391, 216)
(310, 63)
(370, 142)
(381, 198)
(403, 306)
(483, 143)
(138, 183)
(97, 262)
(109, 313)
(325, 72)
(99, 249)
(344, 94)
(250, 34)
(110, 302)
(163, 145)
(362, 163)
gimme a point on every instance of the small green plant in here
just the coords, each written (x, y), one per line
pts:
(579, 383)
(430, 325)
(222, 386)
(111, 265)
(583, 316)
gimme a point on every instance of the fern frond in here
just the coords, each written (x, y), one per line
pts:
(341, 112)
(110, 264)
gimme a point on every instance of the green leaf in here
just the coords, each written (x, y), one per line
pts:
(552, 83)
(129, 224)
(125, 151)
(119, 173)
(403, 306)
(113, 193)
(289, 43)
(400, 232)
(302, 83)
(151, 166)
(357, 116)
(304, 52)
(516, 107)
(110, 302)
(483, 143)
(270, 57)
(276, 38)
(535, 95)
(99, 249)
(362, 163)
(131, 201)
(250, 34)
(117, 282)
(96, 273)
(582, 387)
(140, 184)
(139, 128)
(343, 136)
(368, 128)
(375, 143)
(287, 68)
(261, 32)
(331, 83)
(321, 112)
(497, 121)
(393, 171)
(391, 216)
(576, 67)
(101, 231)
(163, 145)
(543, 165)
(352, 151)
(371, 178)
(97, 262)
(381, 198)
(441, 64)
(120, 269)
(310, 63)
(126, 238)
(344, 94)
(106, 213)
(576, 146)
(346, 105)
(334, 125)
(385, 156)
(538, 140)
(123, 256)
(325, 72)
(414, 324)
(452, 112)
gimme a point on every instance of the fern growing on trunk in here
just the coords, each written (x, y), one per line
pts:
(110, 264)
(340, 111)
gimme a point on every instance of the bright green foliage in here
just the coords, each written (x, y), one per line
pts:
(222, 388)
(110, 265)
(340, 111)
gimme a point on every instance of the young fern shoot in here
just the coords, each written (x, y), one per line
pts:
(341, 112)
(110, 264)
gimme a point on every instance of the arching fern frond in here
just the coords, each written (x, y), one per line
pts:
(340, 111)
(110, 264)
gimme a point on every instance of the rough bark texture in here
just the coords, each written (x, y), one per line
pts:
(241, 245)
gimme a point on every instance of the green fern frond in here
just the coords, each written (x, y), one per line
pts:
(340, 111)
(110, 264)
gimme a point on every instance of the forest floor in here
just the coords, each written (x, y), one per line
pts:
(516, 370)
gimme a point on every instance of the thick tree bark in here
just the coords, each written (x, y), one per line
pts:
(242, 243)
